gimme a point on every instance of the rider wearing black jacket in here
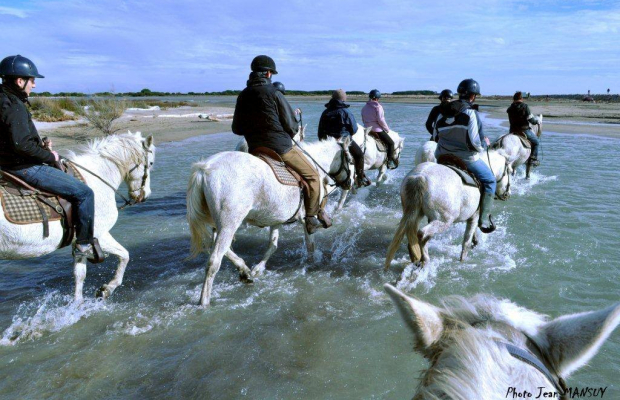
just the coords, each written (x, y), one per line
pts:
(337, 121)
(520, 118)
(23, 154)
(445, 97)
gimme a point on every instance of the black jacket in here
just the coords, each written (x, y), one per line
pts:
(520, 116)
(20, 144)
(432, 117)
(264, 117)
(336, 121)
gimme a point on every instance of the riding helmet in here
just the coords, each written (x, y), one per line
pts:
(263, 63)
(280, 87)
(19, 66)
(446, 94)
(468, 87)
(374, 94)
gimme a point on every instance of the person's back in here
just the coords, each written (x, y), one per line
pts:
(520, 118)
(445, 97)
(373, 117)
(458, 131)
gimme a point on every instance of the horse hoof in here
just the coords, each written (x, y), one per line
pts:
(103, 293)
(246, 279)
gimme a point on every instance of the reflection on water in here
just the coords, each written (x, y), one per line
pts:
(322, 329)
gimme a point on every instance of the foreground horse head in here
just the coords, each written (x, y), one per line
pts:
(233, 187)
(435, 191)
(473, 346)
(110, 161)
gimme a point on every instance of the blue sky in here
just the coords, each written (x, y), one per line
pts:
(110, 45)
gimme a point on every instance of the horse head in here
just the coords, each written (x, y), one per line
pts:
(138, 178)
(482, 347)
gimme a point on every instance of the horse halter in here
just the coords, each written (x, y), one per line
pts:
(344, 166)
(145, 176)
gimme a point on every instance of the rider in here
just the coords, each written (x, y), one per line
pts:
(266, 119)
(520, 119)
(338, 121)
(23, 154)
(445, 97)
(373, 117)
(459, 130)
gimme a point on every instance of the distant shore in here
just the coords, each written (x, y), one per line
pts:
(175, 124)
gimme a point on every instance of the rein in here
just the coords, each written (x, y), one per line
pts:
(127, 201)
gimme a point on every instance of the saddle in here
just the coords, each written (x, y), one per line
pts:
(283, 173)
(381, 146)
(457, 165)
(520, 134)
(24, 204)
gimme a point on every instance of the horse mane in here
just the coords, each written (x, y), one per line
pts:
(465, 354)
(123, 150)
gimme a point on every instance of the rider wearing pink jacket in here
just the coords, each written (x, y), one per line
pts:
(374, 117)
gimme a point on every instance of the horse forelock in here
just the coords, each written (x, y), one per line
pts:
(468, 362)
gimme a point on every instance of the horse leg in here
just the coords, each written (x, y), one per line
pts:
(470, 230)
(426, 234)
(244, 272)
(528, 166)
(381, 177)
(79, 272)
(343, 198)
(274, 234)
(111, 246)
(222, 245)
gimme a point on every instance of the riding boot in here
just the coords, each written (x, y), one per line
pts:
(312, 224)
(91, 251)
(361, 180)
(485, 221)
(533, 161)
(325, 219)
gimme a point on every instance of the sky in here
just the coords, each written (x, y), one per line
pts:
(542, 47)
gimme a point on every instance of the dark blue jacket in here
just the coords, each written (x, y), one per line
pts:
(336, 121)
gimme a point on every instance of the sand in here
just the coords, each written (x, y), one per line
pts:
(570, 117)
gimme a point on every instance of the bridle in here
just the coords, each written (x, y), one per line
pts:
(344, 165)
(145, 176)
(506, 195)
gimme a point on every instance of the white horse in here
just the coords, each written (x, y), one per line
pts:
(230, 188)
(515, 152)
(373, 158)
(437, 192)
(484, 348)
(426, 152)
(116, 159)
(299, 137)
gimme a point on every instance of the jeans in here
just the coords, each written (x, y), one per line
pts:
(77, 193)
(483, 173)
(535, 142)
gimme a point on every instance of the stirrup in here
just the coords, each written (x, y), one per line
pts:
(534, 162)
(93, 252)
(490, 229)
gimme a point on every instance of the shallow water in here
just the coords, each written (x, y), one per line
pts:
(306, 330)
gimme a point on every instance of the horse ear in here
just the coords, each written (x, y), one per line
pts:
(572, 340)
(149, 141)
(422, 318)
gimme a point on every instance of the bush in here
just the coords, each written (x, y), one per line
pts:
(101, 113)
(49, 110)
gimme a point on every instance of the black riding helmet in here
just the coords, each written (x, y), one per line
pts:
(374, 94)
(468, 87)
(19, 67)
(263, 63)
(446, 94)
(280, 87)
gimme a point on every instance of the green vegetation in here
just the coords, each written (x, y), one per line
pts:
(102, 113)
(48, 110)
(415, 93)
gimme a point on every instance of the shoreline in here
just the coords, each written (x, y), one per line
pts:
(180, 123)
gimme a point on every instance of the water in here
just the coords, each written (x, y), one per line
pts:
(322, 330)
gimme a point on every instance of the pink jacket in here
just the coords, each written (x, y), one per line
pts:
(373, 116)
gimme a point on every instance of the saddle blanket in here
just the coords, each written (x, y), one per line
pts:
(282, 172)
(23, 207)
(467, 179)
(381, 147)
(524, 141)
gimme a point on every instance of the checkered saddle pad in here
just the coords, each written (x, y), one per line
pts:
(381, 147)
(24, 206)
(283, 174)
(524, 141)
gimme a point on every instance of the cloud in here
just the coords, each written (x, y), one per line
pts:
(13, 11)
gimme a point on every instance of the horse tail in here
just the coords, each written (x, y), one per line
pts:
(198, 215)
(412, 196)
